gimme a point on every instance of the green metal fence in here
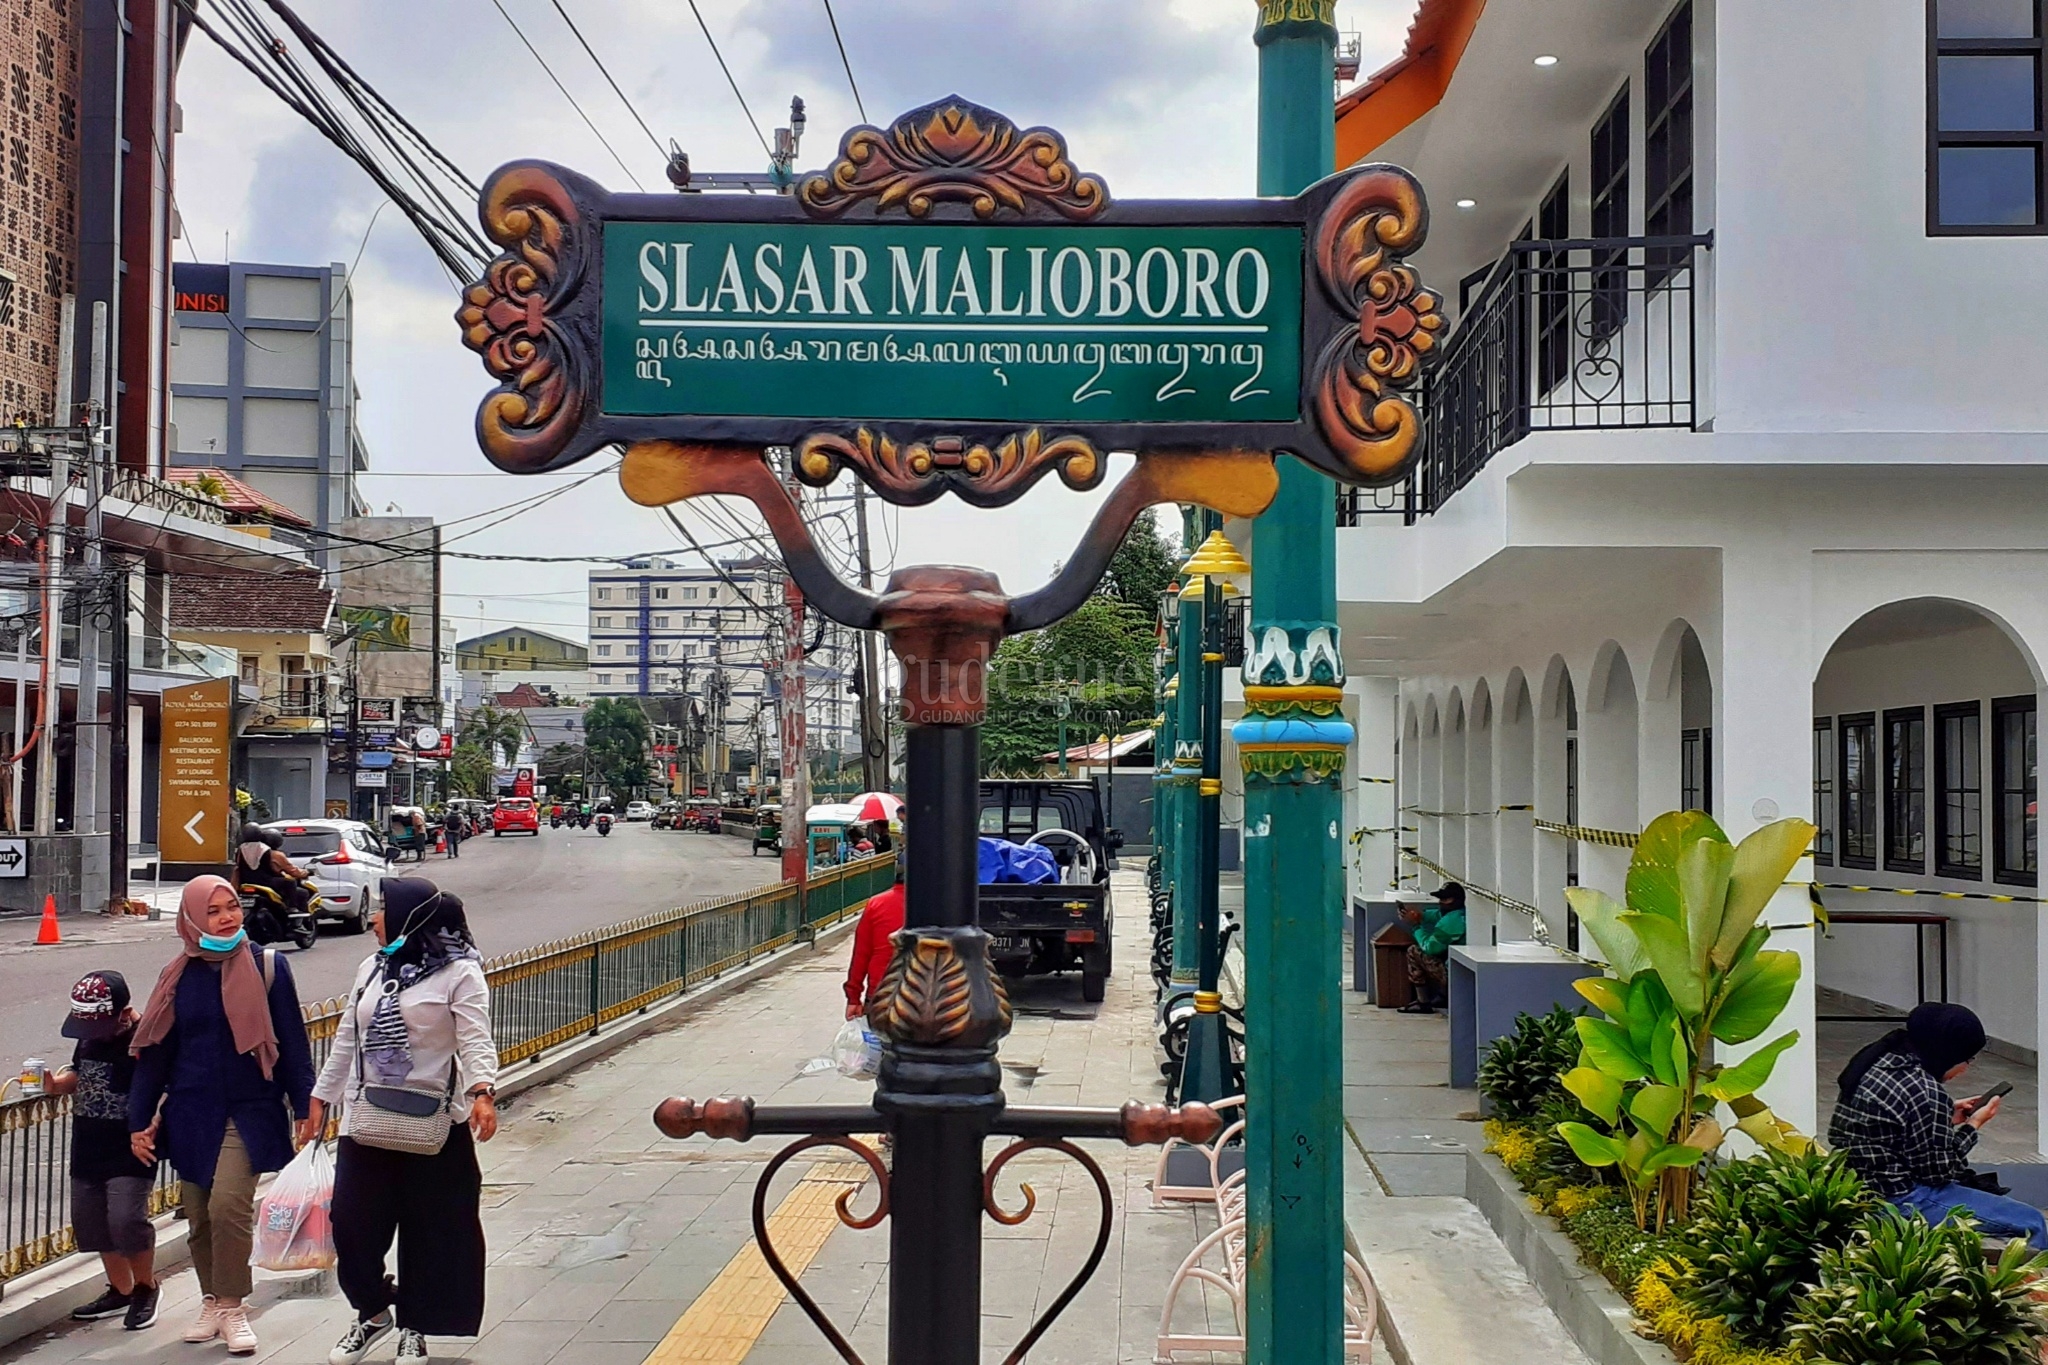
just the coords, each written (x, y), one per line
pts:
(541, 997)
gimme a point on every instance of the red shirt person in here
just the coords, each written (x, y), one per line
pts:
(873, 947)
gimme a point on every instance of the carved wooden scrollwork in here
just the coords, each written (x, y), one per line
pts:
(954, 151)
(510, 318)
(1391, 322)
(987, 475)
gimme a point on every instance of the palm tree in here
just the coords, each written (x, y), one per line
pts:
(491, 728)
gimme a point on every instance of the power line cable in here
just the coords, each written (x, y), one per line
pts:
(608, 79)
(730, 81)
(495, 4)
(834, 20)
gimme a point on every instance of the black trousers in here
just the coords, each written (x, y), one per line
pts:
(431, 1204)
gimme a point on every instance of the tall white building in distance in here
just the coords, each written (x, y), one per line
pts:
(659, 628)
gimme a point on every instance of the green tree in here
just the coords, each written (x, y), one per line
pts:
(1101, 660)
(615, 735)
(561, 767)
(1141, 569)
(491, 728)
(470, 770)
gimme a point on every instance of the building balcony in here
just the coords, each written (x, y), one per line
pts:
(1579, 334)
(287, 703)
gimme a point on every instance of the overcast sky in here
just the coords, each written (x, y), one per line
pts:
(1156, 95)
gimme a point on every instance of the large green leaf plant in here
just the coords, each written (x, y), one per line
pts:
(1688, 970)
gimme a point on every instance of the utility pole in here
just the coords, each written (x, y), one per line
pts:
(1294, 810)
(117, 748)
(53, 635)
(874, 732)
(85, 764)
(796, 767)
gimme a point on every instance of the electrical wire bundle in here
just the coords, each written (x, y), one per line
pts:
(428, 188)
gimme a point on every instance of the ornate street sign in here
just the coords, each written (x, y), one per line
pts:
(953, 305)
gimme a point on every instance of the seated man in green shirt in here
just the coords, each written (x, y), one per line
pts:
(1438, 929)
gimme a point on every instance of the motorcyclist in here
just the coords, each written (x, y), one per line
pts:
(260, 861)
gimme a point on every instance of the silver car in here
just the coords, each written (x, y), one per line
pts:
(348, 860)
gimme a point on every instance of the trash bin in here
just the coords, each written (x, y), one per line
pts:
(1391, 989)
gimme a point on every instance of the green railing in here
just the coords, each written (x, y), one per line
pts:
(541, 997)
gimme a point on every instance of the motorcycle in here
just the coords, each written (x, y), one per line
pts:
(583, 820)
(554, 822)
(269, 919)
(604, 825)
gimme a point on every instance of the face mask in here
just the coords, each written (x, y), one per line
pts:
(222, 945)
(393, 946)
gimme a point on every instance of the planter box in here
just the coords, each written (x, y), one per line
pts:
(1598, 1318)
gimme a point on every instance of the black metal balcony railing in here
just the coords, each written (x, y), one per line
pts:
(1577, 334)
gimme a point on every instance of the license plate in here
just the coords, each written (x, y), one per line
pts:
(1009, 943)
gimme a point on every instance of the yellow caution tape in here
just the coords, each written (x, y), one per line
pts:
(1610, 838)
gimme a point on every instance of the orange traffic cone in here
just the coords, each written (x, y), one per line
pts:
(48, 933)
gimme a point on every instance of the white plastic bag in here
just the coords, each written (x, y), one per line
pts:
(294, 1229)
(857, 1050)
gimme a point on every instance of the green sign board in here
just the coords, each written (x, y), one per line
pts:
(951, 304)
(1021, 324)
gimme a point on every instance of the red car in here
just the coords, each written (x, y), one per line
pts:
(515, 815)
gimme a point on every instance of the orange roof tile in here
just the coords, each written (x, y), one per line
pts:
(1412, 84)
(240, 498)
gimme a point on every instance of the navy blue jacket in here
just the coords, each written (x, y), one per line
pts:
(205, 1082)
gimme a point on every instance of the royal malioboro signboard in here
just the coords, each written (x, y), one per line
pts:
(953, 305)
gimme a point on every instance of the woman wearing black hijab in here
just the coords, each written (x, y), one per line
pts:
(1900, 1131)
(419, 1017)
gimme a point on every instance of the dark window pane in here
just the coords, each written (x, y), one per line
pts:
(1988, 94)
(1985, 18)
(1989, 187)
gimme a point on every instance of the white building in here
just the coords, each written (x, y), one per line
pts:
(1753, 518)
(263, 385)
(659, 627)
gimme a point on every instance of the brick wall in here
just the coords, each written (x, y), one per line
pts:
(39, 72)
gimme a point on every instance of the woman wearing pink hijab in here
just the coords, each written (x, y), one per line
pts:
(223, 1046)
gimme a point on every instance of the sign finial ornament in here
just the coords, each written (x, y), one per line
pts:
(954, 151)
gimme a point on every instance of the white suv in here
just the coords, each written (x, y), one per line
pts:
(639, 810)
(348, 861)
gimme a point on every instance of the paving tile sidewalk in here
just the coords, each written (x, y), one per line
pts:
(602, 1232)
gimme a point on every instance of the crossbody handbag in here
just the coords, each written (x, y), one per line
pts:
(411, 1116)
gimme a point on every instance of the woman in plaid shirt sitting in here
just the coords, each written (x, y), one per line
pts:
(1911, 1143)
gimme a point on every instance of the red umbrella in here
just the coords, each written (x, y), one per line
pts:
(878, 806)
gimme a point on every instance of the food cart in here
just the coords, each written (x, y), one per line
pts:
(825, 834)
(403, 836)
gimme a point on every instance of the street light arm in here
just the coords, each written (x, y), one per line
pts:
(657, 473)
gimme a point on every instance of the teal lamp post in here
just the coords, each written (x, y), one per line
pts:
(1208, 584)
(1291, 743)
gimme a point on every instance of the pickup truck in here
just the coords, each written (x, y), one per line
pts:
(1062, 926)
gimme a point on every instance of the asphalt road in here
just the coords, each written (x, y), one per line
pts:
(518, 891)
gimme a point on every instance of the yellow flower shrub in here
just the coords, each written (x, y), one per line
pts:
(1700, 1340)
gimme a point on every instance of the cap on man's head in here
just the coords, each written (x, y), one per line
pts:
(1449, 891)
(97, 1002)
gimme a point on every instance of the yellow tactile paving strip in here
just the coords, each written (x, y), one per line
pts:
(721, 1327)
